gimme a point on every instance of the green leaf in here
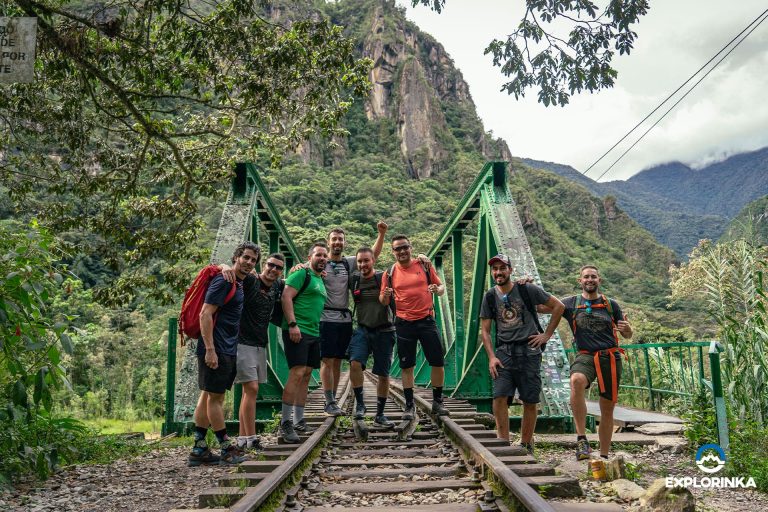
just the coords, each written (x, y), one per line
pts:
(19, 394)
(66, 343)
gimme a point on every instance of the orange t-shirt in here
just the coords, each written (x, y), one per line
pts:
(412, 299)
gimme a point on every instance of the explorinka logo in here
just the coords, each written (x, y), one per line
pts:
(710, 458)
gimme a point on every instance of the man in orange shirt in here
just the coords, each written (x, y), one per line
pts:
(411, 286)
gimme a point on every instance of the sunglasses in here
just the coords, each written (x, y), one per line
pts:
(506, 302)
(275, 266)
(588, 308)
(400, 248)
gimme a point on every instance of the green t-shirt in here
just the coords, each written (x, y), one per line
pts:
(308, 307)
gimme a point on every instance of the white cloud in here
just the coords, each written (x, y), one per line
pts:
(726, 114)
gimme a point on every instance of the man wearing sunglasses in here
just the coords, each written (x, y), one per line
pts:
(261, 292)
(411, 285)
(595, 321)
(515, 364)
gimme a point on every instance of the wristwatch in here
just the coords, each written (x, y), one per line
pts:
(292, 324)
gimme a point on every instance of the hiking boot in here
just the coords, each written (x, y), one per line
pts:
(332, 409)
(231, 455)
(528, 447)
(383, 421)
(583, 451)
(439, 409)
(302, 427)
(360, 411)
(288, 433)
(254, 444)
(202, 455)
(409, 413)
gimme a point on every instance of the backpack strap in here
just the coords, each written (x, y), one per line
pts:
(490, 302)
(304, 285)
(530, 307)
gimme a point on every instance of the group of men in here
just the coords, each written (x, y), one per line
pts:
(391, 307)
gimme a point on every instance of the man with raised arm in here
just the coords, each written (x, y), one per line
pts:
(411, 285)
(303, 300)
(375, 335)
(515, 364)
(595, 321)
(217, 356)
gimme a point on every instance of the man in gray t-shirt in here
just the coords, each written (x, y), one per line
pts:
(515, 364)
(336, 321)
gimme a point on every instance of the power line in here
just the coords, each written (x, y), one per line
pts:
(681, 86)
(679, 100)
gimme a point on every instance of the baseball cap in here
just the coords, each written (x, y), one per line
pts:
(501, 258)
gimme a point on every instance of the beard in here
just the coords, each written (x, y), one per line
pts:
(504, 281)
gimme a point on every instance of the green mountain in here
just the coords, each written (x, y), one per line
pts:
(750, 224)
(414, 146)
(680, 205)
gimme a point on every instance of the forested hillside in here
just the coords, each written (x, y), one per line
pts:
(680, 205)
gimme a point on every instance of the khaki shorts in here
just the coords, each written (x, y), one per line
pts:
(251, 364)
(585, 365)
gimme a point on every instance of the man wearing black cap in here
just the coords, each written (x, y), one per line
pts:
(515, 365)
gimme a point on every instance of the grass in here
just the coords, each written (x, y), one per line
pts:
(108, 426)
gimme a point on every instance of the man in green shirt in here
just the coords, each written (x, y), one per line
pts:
(303, 300)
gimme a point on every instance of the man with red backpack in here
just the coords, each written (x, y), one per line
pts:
(217, 357)
(595, 321)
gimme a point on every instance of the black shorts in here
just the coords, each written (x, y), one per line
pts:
(367, 341)
(334, 339)
(218, 380)
(521, 373)
(304, 353)
(425, 331)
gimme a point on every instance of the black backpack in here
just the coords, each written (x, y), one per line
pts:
(277, 309)
(490, 301)
(354, 287)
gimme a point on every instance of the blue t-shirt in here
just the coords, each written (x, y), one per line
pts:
(227, 317)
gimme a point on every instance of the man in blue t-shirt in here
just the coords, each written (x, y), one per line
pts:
(217, 357)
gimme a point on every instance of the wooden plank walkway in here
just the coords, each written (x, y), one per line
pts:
(628, 416)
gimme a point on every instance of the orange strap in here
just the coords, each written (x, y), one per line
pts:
(614, 379)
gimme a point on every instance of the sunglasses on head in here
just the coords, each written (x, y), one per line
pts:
(274, 265)
(401, 247)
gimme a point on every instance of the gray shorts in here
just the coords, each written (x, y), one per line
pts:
(521, 373)
(251, 364)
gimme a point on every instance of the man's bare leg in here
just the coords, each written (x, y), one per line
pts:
(501, 415)
(247, 413)
(605, 429)
(530, 411)
(579, 402)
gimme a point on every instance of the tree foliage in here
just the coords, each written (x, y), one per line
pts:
(138, 108)
(535, 55)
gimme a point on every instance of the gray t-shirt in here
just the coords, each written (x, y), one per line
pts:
(337, 287)
(514, 324)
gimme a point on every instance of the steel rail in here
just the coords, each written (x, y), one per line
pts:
(527, 496)
(259, 494)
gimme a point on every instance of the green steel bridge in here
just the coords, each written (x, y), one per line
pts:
(490, 212)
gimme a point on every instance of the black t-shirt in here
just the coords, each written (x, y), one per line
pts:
(227, 316)
(514, 324)
(257, 310)
(594, 331)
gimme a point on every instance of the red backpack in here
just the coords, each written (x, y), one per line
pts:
(189, 318)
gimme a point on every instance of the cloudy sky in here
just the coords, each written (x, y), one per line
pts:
(727, 113)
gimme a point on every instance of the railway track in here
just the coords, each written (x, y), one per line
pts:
(452, 464)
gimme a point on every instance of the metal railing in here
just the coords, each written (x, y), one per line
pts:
(664, 370)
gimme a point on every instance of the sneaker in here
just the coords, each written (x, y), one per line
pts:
(288, 433)
(254, 443)
(439, 409)
(332, 409)
(583, 451)
(383, 421)
(201, 454)
(231, 455)
(409, 413)
(360, 411)
(528, 447)
(302, 427)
